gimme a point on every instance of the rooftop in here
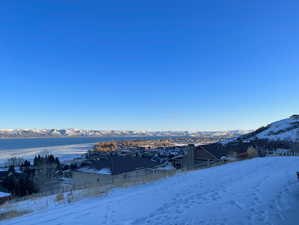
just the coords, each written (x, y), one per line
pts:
(122, 164)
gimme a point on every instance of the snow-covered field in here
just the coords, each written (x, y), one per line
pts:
(261, 191)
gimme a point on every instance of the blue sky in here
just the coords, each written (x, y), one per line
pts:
(148, 65)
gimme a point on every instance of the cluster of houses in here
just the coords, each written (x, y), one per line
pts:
(115, 167)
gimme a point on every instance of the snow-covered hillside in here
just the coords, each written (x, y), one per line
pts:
(261, 191)
(287, 129)
(283, 130)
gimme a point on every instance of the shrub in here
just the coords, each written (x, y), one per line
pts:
(59, 197)
(252, 152)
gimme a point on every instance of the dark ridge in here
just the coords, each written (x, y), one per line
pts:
(254, 133)
(238, 146)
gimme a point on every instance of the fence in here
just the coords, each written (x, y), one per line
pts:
(77, 192)
(286, 153)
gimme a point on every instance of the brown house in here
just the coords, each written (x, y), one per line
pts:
(115, 169)
(194, 157)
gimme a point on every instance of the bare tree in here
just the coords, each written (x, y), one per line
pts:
(295, 145)
(14, 161)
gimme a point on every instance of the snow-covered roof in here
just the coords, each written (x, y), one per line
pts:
(105, 171)
(166, 167)
(4, 194)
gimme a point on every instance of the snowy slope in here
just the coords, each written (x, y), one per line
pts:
(260, 191)
(287, 129)
(283, 130)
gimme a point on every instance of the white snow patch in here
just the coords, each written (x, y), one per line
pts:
(4, 194)
(106, 171)
(166, 167)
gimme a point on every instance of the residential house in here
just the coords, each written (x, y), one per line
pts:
(115, 169)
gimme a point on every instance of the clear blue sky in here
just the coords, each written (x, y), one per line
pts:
(154, 65)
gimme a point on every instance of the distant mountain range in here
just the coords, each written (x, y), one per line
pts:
(73, 132)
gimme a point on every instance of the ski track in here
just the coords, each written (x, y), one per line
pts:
(251, 192)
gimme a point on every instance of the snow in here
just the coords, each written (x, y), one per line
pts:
(4, 194)
(226, 141)
(5, 169)
(166, 167)
(106, 171)
(261, 191)
(282, 130)
(64, 152)
(282, 151)
(290, 135)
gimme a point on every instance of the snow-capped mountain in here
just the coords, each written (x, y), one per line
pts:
(74, 132)
(286, 130)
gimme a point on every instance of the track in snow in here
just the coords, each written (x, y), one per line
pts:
(259, 191)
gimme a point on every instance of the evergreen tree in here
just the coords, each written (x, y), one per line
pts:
(12, 170)
(57, 163)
